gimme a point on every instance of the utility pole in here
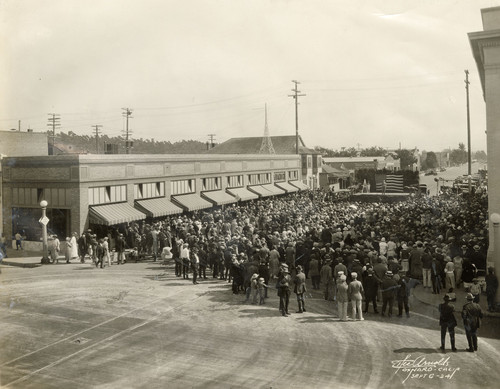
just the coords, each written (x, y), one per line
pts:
(296, 96)
(211, 141)
(469, 160)
(97, 132)
(54, 119)
(127, 112)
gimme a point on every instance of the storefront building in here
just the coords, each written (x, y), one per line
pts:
(88, 190)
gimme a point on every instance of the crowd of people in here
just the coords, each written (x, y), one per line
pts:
(352, 251)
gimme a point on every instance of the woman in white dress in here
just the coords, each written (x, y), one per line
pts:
(74, 247)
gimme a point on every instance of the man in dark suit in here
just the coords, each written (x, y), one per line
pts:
(471, 315)
(447, 321)
(300, 288)
(120, 249)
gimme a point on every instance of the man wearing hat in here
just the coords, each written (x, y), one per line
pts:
(300, 288)
(284, 282)
(471, 315)
(371, 290)
(120, 249)
(355, 291)
(447, 321)
(389, 287)
(342, 297)
(327, 278)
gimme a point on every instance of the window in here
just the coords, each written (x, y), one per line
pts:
(254, 179)
(279, 176)
(182, 186)
(293, 175)
(211, 183)
(149, 190)
(234, 181)
(107, 194)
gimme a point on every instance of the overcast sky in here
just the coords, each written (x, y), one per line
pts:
(375, 73)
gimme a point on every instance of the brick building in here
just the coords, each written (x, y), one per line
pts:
(89, 190)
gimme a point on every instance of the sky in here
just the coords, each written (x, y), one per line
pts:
(386, 73)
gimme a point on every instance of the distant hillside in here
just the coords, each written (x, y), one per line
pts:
(83, 144)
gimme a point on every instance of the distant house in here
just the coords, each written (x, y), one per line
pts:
(283, 145)
(357, 163)
(334, 178)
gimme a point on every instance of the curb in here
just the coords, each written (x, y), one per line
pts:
(20, 264)
(485, 312)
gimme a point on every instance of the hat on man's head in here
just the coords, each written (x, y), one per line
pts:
(469, 297)
(388, 273)
(446, 298)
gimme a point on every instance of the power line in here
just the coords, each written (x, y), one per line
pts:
(296, 97)
(97, 132)
(127, 112)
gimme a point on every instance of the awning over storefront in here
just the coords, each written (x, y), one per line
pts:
(286, 186)
(274, 189)
(158, 207)
(242, 194)
(192, 202)
(299, 184)
(111, 214)
(219, 197)
(261, 191)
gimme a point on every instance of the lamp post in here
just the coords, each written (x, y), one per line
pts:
(437, 185)
(469, 177)
(44, 220)
(495, 220)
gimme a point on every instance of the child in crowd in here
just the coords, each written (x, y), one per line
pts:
(475, 289)
(261, 286)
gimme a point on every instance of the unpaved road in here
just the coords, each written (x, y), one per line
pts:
(138, 326)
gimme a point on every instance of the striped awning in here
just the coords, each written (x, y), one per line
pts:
(242, 194)
(158, 207)
(220, 197)
(286, 186)
(192, 202)
(299, 184)
(261, 191)
(274, 189)
(111, 214)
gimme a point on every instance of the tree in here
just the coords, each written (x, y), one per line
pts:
(458, 156)
(480, 156)
(431, 160)
(374, 151)
(406, 157)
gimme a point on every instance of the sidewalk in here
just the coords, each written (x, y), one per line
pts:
(425, 296)
(22, 258)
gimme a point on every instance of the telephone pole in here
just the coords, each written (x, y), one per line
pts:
(97, 132)
(469, 160)
(126, 113)
(54, 119)
(296, 96)
(211, 141)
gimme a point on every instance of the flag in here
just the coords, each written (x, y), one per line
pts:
(394, 183)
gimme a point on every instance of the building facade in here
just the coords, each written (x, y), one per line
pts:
(20, 144)
(486, 50)
(88, 190)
